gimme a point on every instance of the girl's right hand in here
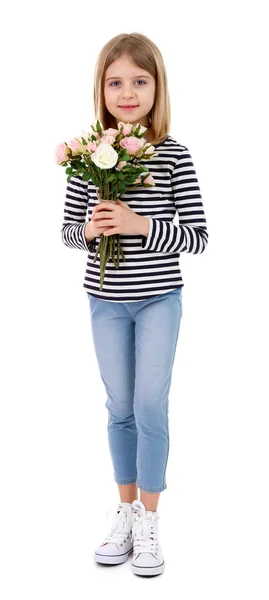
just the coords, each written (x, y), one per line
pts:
(92, 231)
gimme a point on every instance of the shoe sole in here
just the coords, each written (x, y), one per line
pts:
(148, 571)
(112, 559)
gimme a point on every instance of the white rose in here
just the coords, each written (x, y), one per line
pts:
(104, 157)
(142, 129)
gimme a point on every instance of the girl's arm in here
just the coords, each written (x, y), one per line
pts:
(75, 211)
(191, 234)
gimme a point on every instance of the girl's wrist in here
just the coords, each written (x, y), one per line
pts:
(88, 232)
(143, 226)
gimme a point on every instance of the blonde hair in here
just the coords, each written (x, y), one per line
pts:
(146, 55)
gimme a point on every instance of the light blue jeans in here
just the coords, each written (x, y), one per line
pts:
(135, 345)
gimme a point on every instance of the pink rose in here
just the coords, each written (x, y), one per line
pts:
(108, 139)
(61, 153)
(127, 127)
(91, 146)
(96, 135)
(149, 179)
(121, 164)
(76, 146)
(149, 150)
(111, 131)
(131, 144)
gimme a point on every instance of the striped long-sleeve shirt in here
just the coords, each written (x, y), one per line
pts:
(151, 265)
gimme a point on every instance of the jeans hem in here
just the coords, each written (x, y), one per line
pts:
(122, 481)
(152, 489)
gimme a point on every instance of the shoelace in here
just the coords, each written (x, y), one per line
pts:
(120, 527)
(144, 533)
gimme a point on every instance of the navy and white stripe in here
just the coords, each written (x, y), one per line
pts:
(151, 264)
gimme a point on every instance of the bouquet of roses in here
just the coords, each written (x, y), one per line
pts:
(110, 158)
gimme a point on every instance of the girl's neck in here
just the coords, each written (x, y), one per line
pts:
(148, 137)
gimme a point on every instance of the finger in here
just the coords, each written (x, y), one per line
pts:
(111, 231)
(107, 202)
(101, 214)
(104, 223)
(97, 209)
(98, 216)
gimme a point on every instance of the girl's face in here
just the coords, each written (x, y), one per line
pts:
(126, 83)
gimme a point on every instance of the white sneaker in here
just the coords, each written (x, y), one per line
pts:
(118, 544)
(147, 552)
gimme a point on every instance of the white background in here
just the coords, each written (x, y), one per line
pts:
(56, 473)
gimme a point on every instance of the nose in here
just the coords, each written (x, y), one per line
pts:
(127, 91)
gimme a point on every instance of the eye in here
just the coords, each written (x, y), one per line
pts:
(111, 84)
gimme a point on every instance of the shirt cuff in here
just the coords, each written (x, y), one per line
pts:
(147, 240)
(87, 245)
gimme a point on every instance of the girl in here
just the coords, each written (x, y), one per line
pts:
(135, 319)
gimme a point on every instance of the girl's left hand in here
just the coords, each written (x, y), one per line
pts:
(118, 216)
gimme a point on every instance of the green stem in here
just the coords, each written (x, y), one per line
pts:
(106, 246)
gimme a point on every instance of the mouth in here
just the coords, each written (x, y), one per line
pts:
(129, 106)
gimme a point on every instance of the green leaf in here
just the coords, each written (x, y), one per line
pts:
(76, 164)
(128, 169)
(86, 176)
